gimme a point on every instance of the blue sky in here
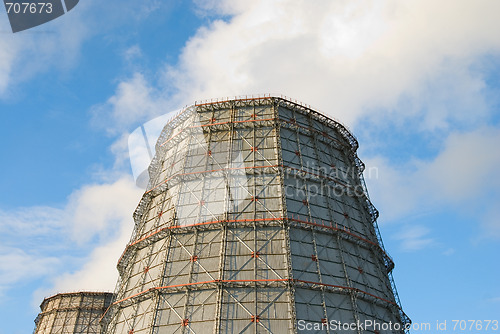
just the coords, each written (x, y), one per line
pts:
(416, 81)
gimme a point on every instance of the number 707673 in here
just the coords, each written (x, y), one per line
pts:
(479, 325)
(29, 7)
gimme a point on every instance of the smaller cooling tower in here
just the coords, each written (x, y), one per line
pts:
(77, 312)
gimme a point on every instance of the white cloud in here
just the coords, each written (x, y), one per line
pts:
(135, 100)
(449, 252)
(345, 57)
(494, 300)
(56, 45)
(98, 273)
(491, 221)
(102, 209)
(17, 265)
(380, 59)
(132, 53)
(414, 238)
(28, 238)
(72, 248)
(467, 167)
(33, 221)
(463, 176)
(9, 48)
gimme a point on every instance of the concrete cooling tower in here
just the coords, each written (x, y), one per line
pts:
(68, 313)
(256, 219)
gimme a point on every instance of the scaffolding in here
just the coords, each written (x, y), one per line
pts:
(256, 219)
(68, 313)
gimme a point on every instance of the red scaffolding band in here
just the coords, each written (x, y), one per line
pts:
(217, 281)
(337, 227)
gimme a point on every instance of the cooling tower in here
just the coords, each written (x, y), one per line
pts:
(256, 219)
(68, 313)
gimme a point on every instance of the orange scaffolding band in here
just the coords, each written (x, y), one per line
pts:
(255, 281)
(330, 227)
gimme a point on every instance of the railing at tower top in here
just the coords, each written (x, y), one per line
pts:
(269, 96)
